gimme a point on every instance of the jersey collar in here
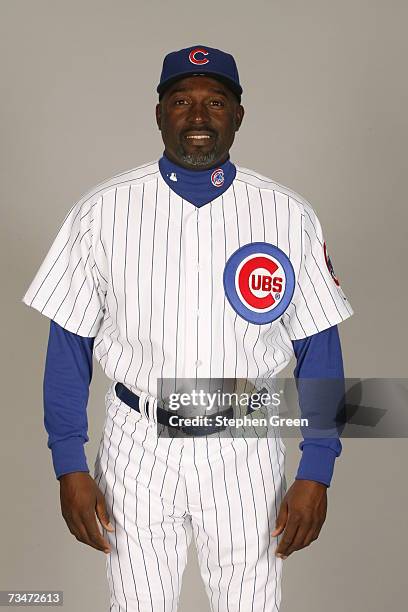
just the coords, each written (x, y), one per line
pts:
(197, 186)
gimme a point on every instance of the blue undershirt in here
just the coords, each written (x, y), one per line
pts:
(67, 376)
(319, 376)
(68, 365)
(197, 186)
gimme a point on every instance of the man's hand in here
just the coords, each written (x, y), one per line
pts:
(301, 515)
(81, 501)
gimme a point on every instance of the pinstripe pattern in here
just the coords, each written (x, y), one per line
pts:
(130, 254)
(141, 270)
(161, 492)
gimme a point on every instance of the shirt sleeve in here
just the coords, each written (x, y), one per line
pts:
(67, 287)
(319, 357)
(318, 301)
(67, 376)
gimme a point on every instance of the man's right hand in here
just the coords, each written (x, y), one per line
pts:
(81, 502)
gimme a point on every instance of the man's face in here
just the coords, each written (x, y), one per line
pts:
(198, 117)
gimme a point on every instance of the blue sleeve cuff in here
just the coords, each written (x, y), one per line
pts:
(69, 456)
(317, 463)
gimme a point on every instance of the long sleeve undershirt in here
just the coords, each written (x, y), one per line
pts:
(68, 374)
(319, 358)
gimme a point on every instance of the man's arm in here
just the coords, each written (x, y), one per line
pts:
(67, 376)
(303, 510)
(319, 358)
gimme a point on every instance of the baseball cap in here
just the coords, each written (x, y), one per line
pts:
(200, 60)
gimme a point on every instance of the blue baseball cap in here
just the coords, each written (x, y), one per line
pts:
(200, 60)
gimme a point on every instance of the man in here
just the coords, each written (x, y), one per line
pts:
(187, 268)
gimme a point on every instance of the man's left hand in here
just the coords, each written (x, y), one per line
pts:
(301, 516)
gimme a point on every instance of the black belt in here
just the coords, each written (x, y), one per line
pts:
(163, 416)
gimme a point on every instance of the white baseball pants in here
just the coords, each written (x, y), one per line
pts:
(161, 491)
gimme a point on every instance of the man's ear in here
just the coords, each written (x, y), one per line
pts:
(240, 112)
(158, 115)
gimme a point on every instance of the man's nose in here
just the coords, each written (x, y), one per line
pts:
(198, 113)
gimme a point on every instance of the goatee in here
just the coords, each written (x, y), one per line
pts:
(199, 160)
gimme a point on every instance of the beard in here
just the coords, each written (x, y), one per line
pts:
(198, 159)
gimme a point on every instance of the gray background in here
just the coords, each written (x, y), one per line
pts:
(326, 99)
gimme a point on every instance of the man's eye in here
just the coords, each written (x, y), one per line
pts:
(180, 101)
(217, 103)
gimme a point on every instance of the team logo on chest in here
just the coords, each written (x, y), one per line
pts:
(217, 177)
(259, 282)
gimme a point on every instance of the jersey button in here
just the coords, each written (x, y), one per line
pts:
(198, 363)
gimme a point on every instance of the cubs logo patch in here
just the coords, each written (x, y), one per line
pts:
(259, 282)
(217, 177)
(330, 265)
(195, 57)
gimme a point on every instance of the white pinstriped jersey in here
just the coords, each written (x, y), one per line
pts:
(141, 270)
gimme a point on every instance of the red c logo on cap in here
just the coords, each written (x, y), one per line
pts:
(194, 60)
